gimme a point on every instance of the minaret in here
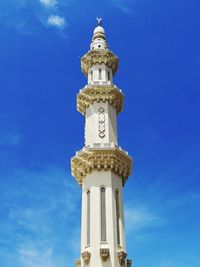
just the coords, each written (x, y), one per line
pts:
(101, 168)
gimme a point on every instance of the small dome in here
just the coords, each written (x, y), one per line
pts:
(99, 39)
(99, 29)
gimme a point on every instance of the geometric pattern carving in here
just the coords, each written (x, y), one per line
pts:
(121, 256)
(86, 256)
(99, 57)
(104, 253)
(101, 120)
(90, 159)
(100, 93)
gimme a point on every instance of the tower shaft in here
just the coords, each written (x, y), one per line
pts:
(101, 167)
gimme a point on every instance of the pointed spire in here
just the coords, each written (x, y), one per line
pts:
(99, 38)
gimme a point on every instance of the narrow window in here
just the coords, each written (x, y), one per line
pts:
(108, 75)
(91, 75)
(103, 214)
(117, 215)
(88, 217)
(100, 74)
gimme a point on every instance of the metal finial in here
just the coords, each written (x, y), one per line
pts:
(99, 21)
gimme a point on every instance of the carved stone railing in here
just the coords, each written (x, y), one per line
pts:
(90, 159)
(99, 57)
(100, 93)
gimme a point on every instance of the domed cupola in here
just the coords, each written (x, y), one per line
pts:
(99, 39)
(99, 59)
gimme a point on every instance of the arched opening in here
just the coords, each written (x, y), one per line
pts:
(88, 217)
(103, 214)
(108, 75)
(91, 75)
(100, 74)
(117, 216)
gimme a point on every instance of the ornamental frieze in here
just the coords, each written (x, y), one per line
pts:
(102, 123)
(90, 159)
(100, 93)
(99, 57)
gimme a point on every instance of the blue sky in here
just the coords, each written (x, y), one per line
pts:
(41, 42)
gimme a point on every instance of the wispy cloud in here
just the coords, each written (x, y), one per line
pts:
(123, 5)
(39, 217)
(75, 240)
(48, 3)
(24, 15)
(35, 257)
(12, 14)
(182, 262)
(56, 21)
(140, 218)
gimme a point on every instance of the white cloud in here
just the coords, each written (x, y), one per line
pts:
(16, 14)
(122, 5)
(10, 15)
(181, 262)
(48, 3)
(42, 211)
(75, 240)
(56, 21)
(140, 218)
(35, 257)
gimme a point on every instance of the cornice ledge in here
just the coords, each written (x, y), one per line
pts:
(101, 57)
(90, 159)
(100, 93)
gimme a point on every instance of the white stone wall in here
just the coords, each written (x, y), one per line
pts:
(93, 182)
(100, 126)
(93, 74)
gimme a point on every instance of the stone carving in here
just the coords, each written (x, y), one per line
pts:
(121, 256)
(78, 263)
(104, 253)
(86, 256)
(99, 57)
(100, 93)
(128, 262)
(101, 120)
(90, 159)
